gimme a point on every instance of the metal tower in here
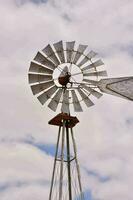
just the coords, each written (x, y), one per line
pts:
(64, 184)
(66, 76)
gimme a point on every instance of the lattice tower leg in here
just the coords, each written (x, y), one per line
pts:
(66, 180)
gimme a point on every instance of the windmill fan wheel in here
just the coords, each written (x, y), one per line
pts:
(66, 74)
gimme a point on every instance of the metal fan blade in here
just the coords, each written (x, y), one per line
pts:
(33, 78)
(51, 54)
(94, 65)
(64, 71)
(79, 52)
(43, 60)
(85, 98)
(46, 95)
(60, 51)
(69, 51)
(92, 91)
(65, 102)
(41, 86)
(100, 73)
(90, 55)
(55, 100)
(34, 67)
(76, 104)
(122, 87)
(91, 81)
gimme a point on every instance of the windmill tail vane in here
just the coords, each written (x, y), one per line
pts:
(65, 76)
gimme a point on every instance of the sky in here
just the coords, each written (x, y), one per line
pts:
(104, 135)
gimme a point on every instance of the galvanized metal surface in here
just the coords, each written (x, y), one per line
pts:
(46, 95)
(55, 100)
(38, 68)
(62, 162)
(122, 87)
(41, 86)
(65, 102)
(91, 54)
(88, 57)
(64, 71)
(54, 167)
(92, 91)
(69, 51)
(66, 165)
(93, 82)
(100, 73)
(41, 74)
(34, 78)
(76, 103)
(85, 98)
(60, 51)
(77, 165)
(68, 162)
(83, 61)
(93, 65)
(79, 52)
(51, 54)
(45, 61)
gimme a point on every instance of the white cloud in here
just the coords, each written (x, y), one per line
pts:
(24, 172)
(30, 192)
(104, 135)
(23, 162)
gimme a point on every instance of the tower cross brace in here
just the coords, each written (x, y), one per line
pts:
(63, 156)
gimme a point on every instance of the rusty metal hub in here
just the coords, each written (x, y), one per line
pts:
(58, 120)
(64, 80)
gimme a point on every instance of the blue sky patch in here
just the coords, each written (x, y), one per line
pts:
(88, 195)
(18, 184)
(47, 148)
(21, 2)
(98, 176)
(38, 1)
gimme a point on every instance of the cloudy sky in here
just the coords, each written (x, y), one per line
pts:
(104, 136)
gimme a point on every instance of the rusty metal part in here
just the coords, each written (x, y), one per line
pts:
(58, 120)
(64, 80)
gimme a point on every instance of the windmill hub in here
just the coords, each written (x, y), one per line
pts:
(64, 80)
(63, 75)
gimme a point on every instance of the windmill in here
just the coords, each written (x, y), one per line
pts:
(65, 76)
